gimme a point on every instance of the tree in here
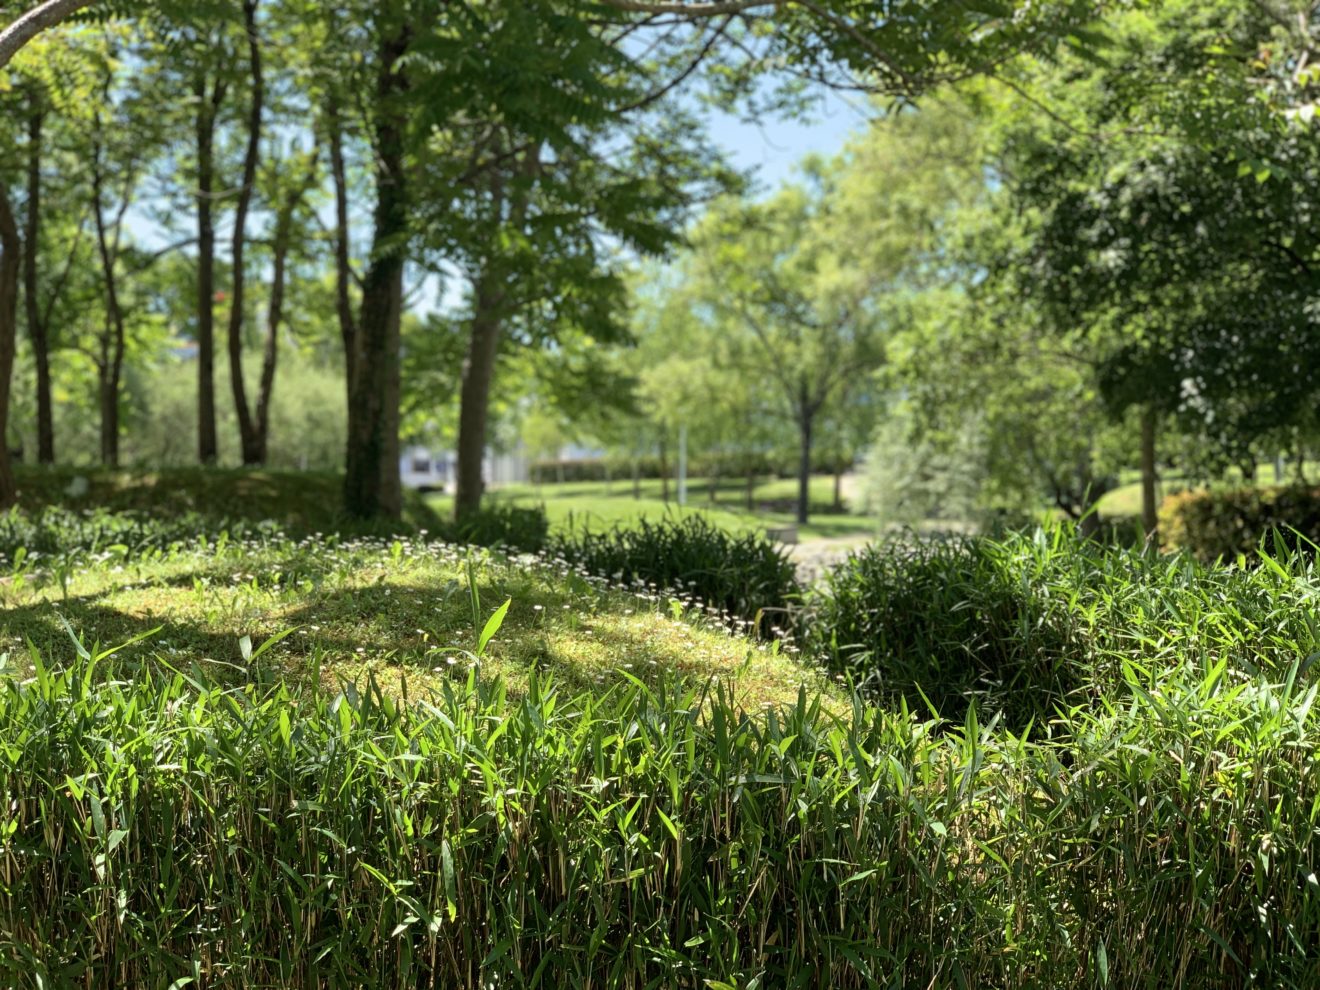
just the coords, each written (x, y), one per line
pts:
(769, 277)
(1172, 240)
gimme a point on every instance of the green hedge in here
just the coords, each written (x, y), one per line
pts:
(1213, 524)
(159, 832)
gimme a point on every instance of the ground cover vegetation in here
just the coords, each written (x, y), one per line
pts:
(329, 762)
(268, 719)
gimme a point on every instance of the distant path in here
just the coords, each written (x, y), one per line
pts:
(814, 557)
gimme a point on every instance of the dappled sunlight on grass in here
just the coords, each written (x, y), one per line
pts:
(398, 610)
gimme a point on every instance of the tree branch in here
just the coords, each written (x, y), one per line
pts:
(31, 24)
(711, 8)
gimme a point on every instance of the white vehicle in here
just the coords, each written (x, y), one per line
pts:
(424, 470)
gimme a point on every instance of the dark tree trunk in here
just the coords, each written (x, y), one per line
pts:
(37, 328)
(838, 486)
(713, 483)
(637, 479)
(474, 400)
(251, 443)
(275, 314)
(343, 252)
(372, 486)
(110, 357)
(208, 106)
(1150, 522)
(492, 307)
(751, 490)
(806, 421)
(10, 249)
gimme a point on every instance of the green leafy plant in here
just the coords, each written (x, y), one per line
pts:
(743, 577)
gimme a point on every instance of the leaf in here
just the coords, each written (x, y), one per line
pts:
(451, 886)
(492, 626)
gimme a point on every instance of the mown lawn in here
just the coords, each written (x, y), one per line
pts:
(601, 505)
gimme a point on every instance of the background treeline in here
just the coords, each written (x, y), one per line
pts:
(417, 192)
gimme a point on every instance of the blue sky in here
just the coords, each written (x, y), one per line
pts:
(774, 147)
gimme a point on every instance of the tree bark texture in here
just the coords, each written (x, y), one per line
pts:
(209, 100)
(372, 487)
(36, 325)
(251, 443)
(110, 351)
(10, 250)
(27, 26)
(1150, 520)
(474, 399)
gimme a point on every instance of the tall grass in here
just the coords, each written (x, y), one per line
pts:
(157, 830)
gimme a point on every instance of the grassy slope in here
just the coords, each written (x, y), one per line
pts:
(400, 610)
(300, 501)
(601, 506)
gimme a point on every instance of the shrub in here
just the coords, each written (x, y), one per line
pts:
(1214, 524)
(594, 469)
(498, 525)
(158, 830)
(53, 530)
(953, 621)
(742, 575)
(1029, 623)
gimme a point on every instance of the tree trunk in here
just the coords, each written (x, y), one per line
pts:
(637, 479)
(1150, 522)
(251, 443)
(713, 483)
(207, 109)
(37, 329)
(805, 423)
(110, 363)
(372, 487)
(275, 313)
(664, 473)
(343, 252)
(474, 398)
(838, 486)
(27, 26)
(751, 490)
(10, 249)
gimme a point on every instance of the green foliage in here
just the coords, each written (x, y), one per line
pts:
(659, 837)
(500, 525)
(56, 530)
(911, 476)
(214, 498)
(1032, 624)
(744, 577)
(1226, 524)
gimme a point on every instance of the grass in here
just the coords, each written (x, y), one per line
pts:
(398, 610)
(299, 501)
(600, 506)
(160, 830)
(341, 762)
